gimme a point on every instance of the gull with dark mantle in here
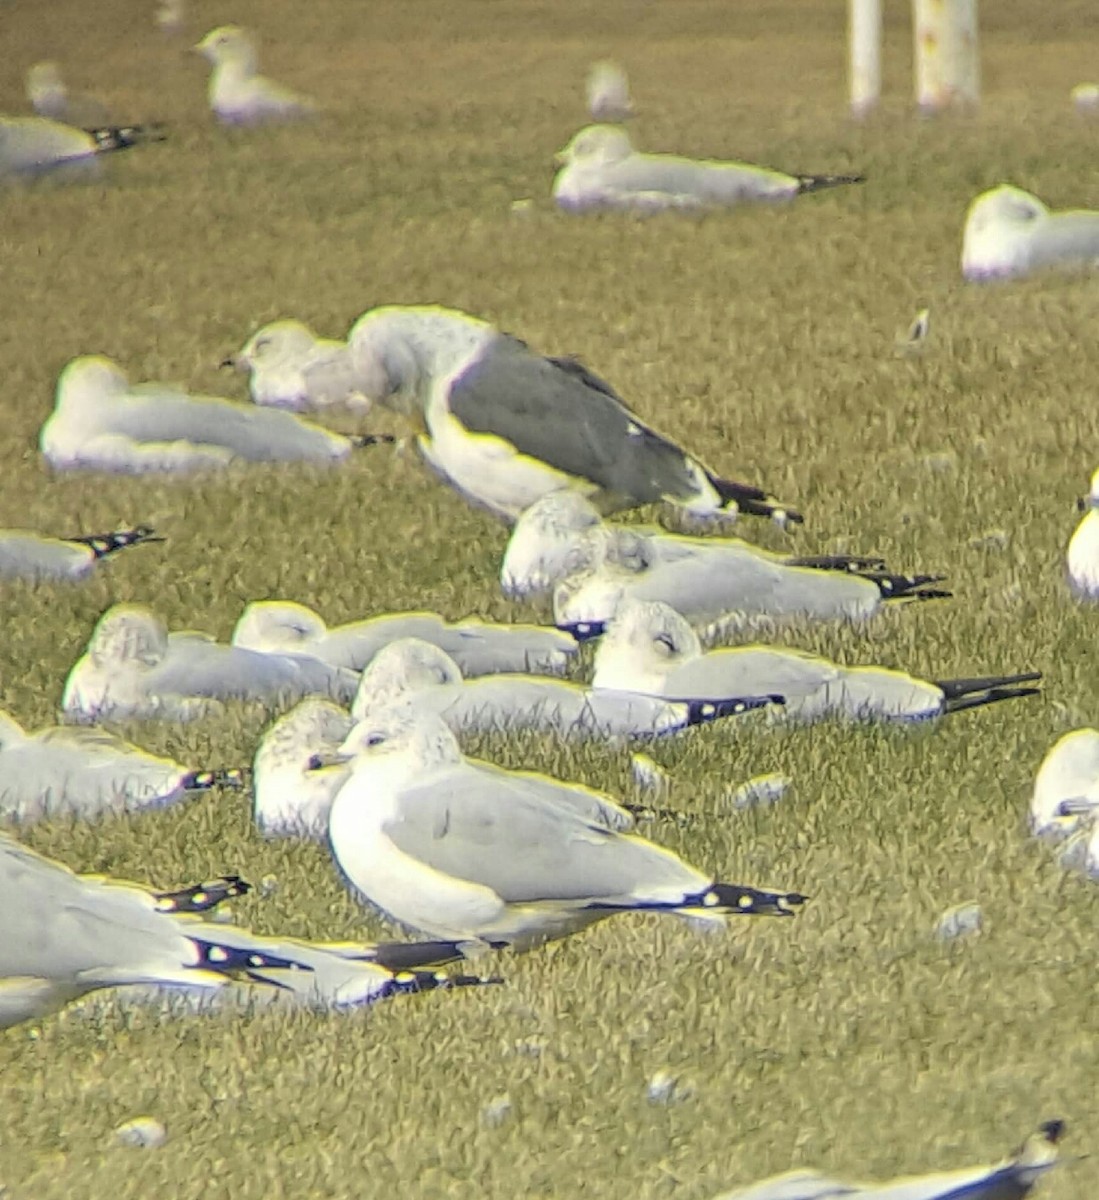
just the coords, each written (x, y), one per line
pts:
(506, 425)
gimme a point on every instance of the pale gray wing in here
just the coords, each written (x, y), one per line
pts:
(706, 182)
(329, 375)
(160, 413)
(794, 1185)
(1065, 239)
(527, 848)
(196, 667)
(354, 645)
(24, 556)
(751, 671)
(31, 145)
(483, 649)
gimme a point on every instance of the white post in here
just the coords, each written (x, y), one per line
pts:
(948, 64)
(864, 42)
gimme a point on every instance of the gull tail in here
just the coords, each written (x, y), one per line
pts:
(960, 694)
(817, 183)
(234, 962)
(104, 544)
(359, 441)
(836, 562)
(407, 982)
(906, 587)
(230, 777)
(122, 137)
(702, 712)
(201, 897)
(752, 500)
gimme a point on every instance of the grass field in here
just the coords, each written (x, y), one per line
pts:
(848, 1039)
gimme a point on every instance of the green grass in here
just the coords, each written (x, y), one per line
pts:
(848, 1039)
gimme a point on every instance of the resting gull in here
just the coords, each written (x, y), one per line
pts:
(601, 169)
(561, 542)
(50, 98)
(290, 367)
(1083, 548)
(608, 92)
(650, 648)
(416, 673)
(1010, 233)
(133, 667)
(478, 647)
(1066, 788)
(460, 849)
(506, 425)
(238, 94)
(33, 146)
(30, 556)
(103, 422)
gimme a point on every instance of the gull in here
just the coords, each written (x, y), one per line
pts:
(290, 367)
(70, 935)
(85, 773)
(237, 94)
(478, 647)
(608, 93)
(1083, 548)
(50, 98)
(505, 425)
(103, 422)
(460, 849)
(420, 675)
(650, 648)
(1085, 98)
(1066, 788)
(1011, 1179)
(133, 667)
(1010, 233)
(30, 556)
(601, 169)
(293, 790)
(561, 543)
(170, 16)
(34, 146)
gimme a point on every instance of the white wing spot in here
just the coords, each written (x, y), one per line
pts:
(710, 900)
(218, 955)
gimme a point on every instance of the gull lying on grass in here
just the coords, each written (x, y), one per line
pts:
(1011, 1179)
(103, 422)
(30, 556)
(34, 146)
(1083, 548)
(561, 541)
(290, 367)
(133, 667)
(1010, 233)
(420, 675)
(601, 169)
(650, 648)
(1066, 788)
(464, 850)
(506, 425)
(50, 98)
(478, 647)
(86, 773)
(70, 935)
(608, 93)
(1085, 98)
(238, 94)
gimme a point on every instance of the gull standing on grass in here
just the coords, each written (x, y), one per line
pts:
(1010, 233)
(650, 648)
(34, 146)
(478, 647)
(103, 422)
(463, 850)
(1083, 548)
(290, 367)
(31, 556)
(601, 169)
(87, 773)
(133, 667)
(237, 93)
(561, 543)
(506, 425)
(419, 675)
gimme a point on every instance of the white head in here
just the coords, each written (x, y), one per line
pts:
(277, 626)
(128, 634)
(85, 382)
(644, 642)
(400, 737)
(1004, 205)
(1069, 773)
(548, 543)
(405, 666)
(601, 145)
(589, 596)
(608, 92)
(229, 45)
(44, 84)
(281, 343)
(998, 232)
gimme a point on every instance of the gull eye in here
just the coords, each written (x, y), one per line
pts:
(664, 643)
(375, 739)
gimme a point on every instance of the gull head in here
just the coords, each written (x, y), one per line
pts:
(400, 737)
(1091, 500)
(282, 343)
(229, 45)
(128, 634)
(608, 92)
(645, 641)
(597, 144)
(86, 381)
(46, 90)
(998, 229)
(277, 626)
(589, 596)
(545, 544)
(1066, 788)
(405, 666)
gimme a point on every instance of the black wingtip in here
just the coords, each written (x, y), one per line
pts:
(201, 897)
(702, 712)
(231, 960)
(411, 982)
(836, 562)
(906, 587)
(584, 631)
(993, 696)
(955, 689)
(122, 137)
(233, 778)
(104, 544)
(753, 501)
(360, 441)
(736, 898)
(1053, 1130)
(817, 183)
(415, 956)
